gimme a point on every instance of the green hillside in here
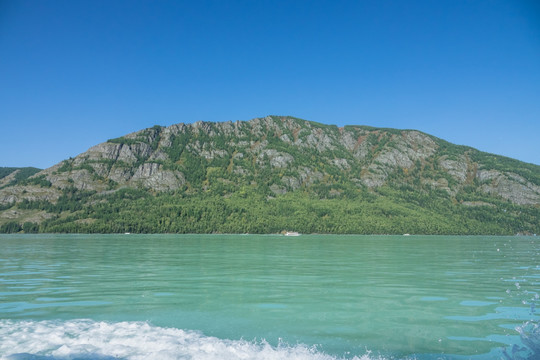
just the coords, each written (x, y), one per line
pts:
(277, 173)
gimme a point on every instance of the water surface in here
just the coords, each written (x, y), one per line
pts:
(306, 297)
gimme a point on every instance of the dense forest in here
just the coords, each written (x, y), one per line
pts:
(383, 211)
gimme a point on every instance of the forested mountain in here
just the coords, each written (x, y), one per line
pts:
(275, 173)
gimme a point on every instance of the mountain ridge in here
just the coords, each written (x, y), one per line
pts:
(13, 175)
(274, 159)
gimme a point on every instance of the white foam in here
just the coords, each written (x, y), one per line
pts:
(87, 339)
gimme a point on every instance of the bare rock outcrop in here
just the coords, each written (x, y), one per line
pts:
(456, 168)
(14, 194)
(276, 158)
(152, 175)
(511, 187)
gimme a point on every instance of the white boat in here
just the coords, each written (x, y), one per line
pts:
(291, 233)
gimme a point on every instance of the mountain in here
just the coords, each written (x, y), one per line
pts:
(275, 173)
(13, 175)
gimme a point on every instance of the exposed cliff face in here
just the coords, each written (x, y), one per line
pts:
(282, 154)
(509, 186)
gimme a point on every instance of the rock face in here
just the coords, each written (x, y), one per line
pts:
(509, 186)
(282, 154)
(31, 193)
(153, 176)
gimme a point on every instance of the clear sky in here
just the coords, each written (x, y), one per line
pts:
(76, 73)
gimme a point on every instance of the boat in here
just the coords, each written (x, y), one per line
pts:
(292, 233)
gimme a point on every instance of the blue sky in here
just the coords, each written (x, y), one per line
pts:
(76, 73)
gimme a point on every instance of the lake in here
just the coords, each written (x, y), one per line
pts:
(268, 297)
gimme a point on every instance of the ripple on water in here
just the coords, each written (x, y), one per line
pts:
(271, 306)
(476, 303)
(433, 298)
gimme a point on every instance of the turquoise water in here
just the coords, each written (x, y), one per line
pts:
(268, 297)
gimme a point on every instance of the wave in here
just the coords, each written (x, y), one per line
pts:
(94, 340)
(85, 339)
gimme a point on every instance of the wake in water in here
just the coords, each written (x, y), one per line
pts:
(530, 338)
(90, 340)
